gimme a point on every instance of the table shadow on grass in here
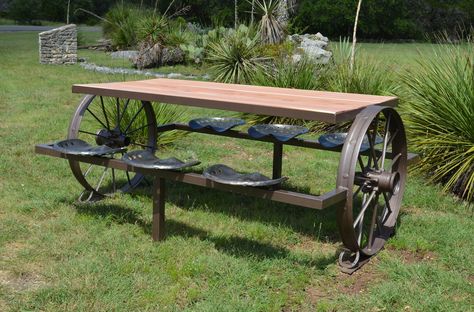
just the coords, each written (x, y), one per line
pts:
(318, 224)
(233, 245)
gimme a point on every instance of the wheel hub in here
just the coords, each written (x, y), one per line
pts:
(112, 138)
(380, 181)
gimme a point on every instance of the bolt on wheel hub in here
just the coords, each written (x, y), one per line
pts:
(112, 138)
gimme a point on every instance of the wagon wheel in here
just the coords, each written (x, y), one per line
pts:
(374, 176)
(116, 123)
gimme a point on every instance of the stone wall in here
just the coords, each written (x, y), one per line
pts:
(59, 45)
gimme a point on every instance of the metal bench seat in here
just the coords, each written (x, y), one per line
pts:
(218, 124)
(226, 175)
(334, 140)
(146, 159)
(282, 133)
(80, 147)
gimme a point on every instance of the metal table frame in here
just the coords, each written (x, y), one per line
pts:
(335, 197)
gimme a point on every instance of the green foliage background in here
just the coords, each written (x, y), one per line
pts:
(380, 19)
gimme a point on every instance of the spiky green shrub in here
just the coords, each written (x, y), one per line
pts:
(165, 113)
(284, 73)
(368, 76)
(234, 58)
(439, 115)
(270, 28)
(120, 25)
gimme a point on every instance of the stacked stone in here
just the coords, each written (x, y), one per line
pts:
(59, 45)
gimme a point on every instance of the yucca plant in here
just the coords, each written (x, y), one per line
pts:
(367, 75)
(285, 73)
(235, 57)
(439, 113)
(120, 25)
(165, 113)
(270, 28)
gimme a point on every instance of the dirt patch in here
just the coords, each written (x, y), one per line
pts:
(410, 257)
(20, 282)
(345, 284)
(309, 244)
(10, 250)
(360, 280)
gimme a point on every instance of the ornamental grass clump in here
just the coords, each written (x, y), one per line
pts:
(120, 25)
(285, 73)
(234, 58)
(439, 115)
(367, 76)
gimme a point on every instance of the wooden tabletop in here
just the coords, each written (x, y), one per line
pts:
(332, 107)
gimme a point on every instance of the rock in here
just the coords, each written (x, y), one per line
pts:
(311, 45)
(124, 54)
(148, 56)
(155, 56)
(171, 56)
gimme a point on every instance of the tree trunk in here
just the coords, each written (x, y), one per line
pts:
(282, 13)
(354, 36)
(252, 18)
(236, 16)
(68, 6)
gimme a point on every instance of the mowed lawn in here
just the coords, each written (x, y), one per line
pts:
(223, 252)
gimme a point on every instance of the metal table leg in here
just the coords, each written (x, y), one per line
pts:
(158, 223)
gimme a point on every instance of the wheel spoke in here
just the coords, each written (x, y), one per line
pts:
(123, 111)
(142, 145)
(114, 185)
(93, 134)
(393, 136)
(105, 113)
(372, 143)
(364, 208)
(372, 224)
(88, 170)
(387, 201)
(385, 141)
(101, 179)
(100, 121)
(138, 129)
(117, 104)
(357, 192)
(133, 119)
(361, 163)
(396, 158)
(387, 210)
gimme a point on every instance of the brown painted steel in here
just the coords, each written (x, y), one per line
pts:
(73, 133)
(347, 175)
(158, 232)
(411, 157)
(305, 200)
(323, 106)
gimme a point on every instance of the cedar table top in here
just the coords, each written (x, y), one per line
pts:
(324, 106)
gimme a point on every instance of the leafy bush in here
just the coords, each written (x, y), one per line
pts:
(439, 115)
(235, 57)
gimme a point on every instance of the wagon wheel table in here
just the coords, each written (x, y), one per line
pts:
(114, 127)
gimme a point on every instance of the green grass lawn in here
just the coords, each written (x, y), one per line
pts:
(223, 252)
